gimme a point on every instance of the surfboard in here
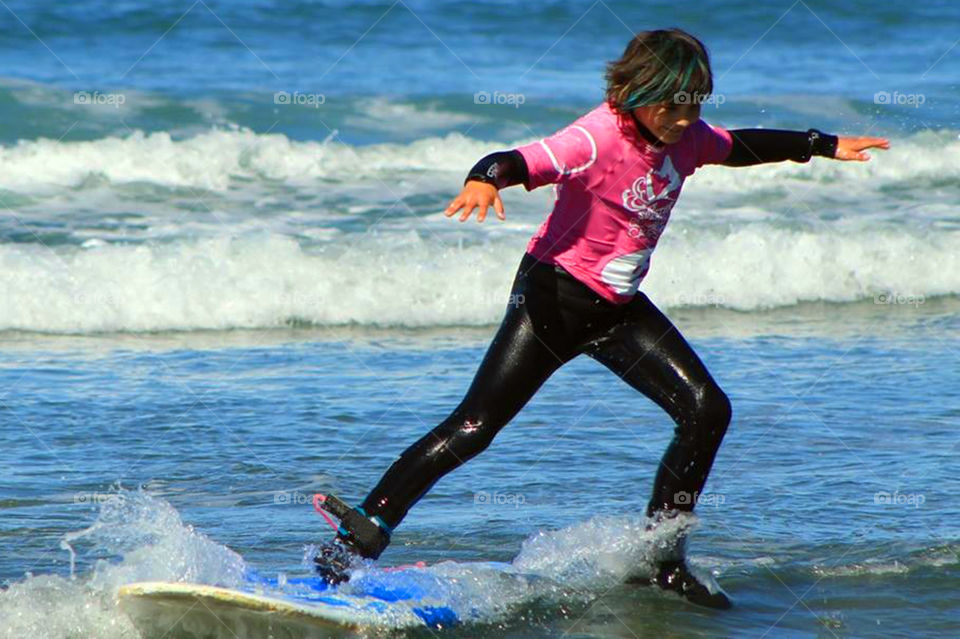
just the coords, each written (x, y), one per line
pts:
(398, 598)
(442, 595)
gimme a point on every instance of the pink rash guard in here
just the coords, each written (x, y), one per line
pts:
(614, 192)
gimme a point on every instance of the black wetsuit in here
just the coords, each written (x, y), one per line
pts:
(559, 318)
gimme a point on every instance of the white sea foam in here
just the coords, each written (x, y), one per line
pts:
(572, 556)
(759, 266)
(744, 239)
(214, 159)
(405, 279)
(217, 158)
(152, 543)
(560, 566)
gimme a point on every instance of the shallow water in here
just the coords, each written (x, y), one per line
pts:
(216, 303)
(230, 437)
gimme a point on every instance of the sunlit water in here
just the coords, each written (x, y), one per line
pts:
(216, 303)
(832, 504)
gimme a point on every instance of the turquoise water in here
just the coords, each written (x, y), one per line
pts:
(217, 303)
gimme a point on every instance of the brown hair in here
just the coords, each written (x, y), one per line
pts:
(656, 67)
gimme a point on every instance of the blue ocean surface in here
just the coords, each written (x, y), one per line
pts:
(228, 285)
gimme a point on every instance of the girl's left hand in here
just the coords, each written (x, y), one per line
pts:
(851, 148)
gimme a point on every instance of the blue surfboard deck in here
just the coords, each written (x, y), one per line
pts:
(405, 597)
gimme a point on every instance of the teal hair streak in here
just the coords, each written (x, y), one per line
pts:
(665, 83)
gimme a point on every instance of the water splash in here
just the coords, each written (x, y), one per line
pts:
(136, 537)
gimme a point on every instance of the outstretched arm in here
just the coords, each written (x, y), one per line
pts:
(482, 186)
(757, 146)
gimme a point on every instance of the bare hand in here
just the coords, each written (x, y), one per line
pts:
(850, 148)
(476, 194)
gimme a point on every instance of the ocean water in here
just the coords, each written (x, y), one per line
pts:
(228, 284)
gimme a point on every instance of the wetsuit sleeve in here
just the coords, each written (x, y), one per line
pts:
(501, 169)
(559, 156)
(758, 146)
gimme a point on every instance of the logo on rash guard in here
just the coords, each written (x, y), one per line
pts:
(652, 210)
(650, 205)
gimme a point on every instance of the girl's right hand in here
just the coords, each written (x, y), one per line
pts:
(476, 194)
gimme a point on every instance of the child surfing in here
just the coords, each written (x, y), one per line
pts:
(618, 171)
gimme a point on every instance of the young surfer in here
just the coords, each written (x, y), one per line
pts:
(618, 171)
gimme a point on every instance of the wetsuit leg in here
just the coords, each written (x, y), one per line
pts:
(544, 327)
(648, 352)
